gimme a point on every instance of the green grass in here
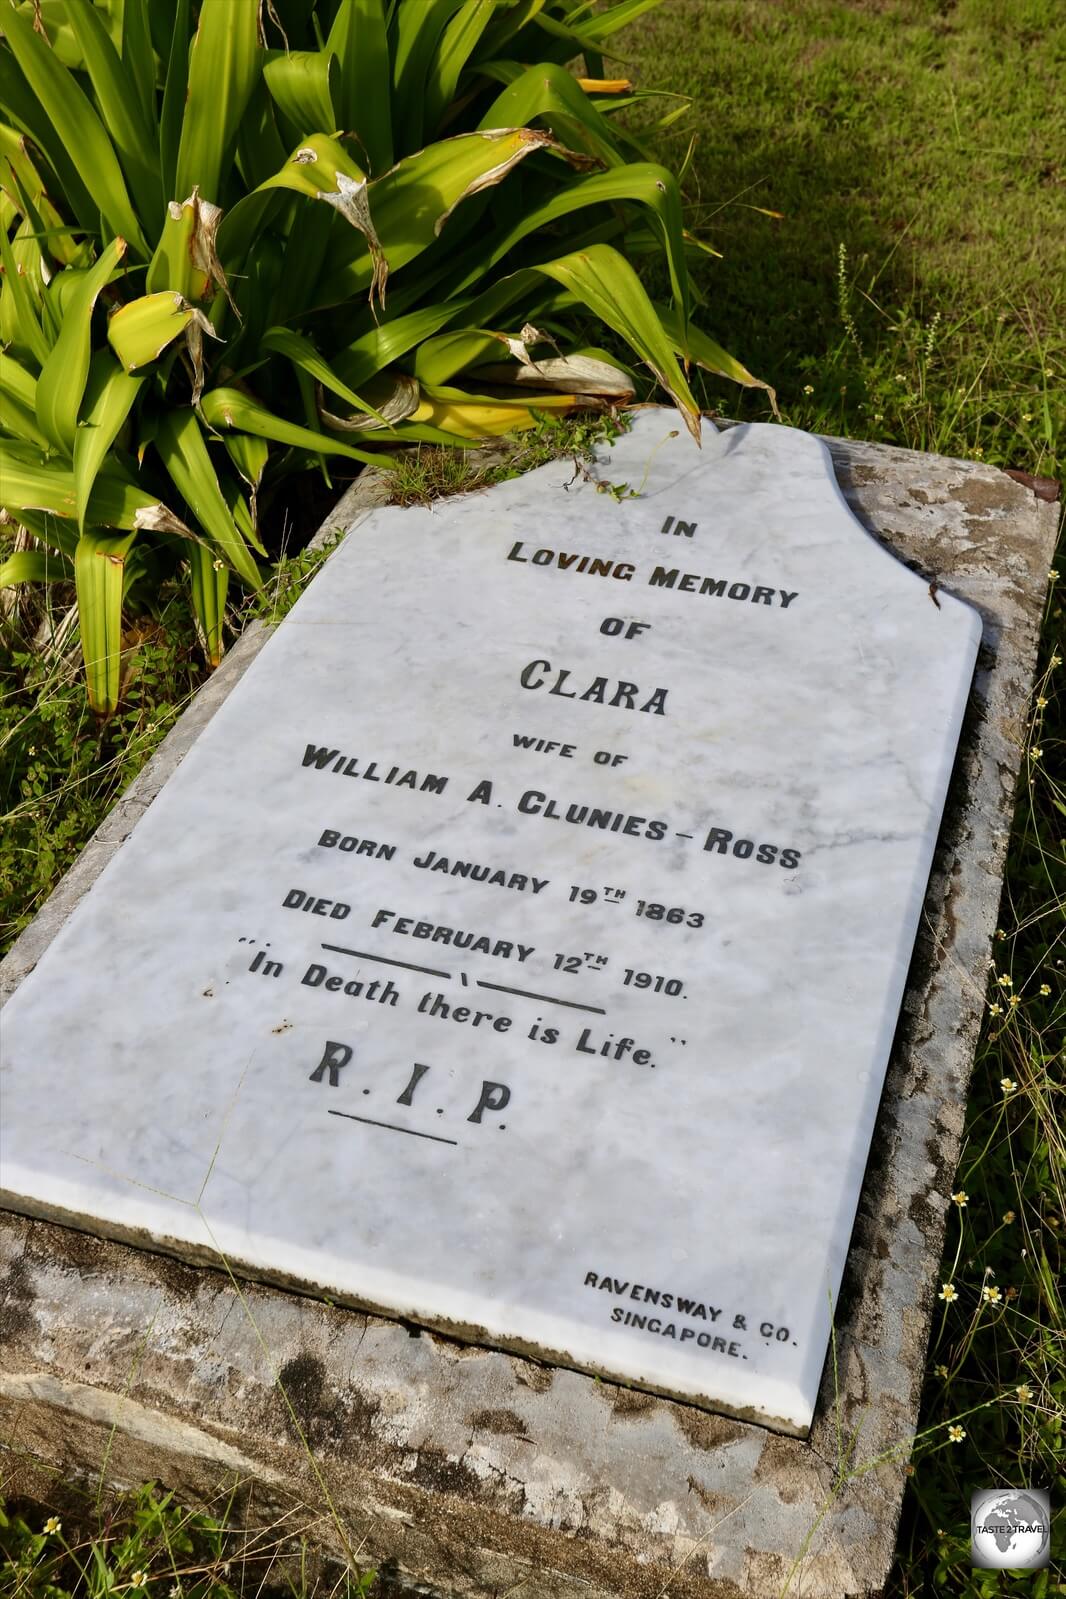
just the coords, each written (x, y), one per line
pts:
(60, 769)
(143, 1544)
(913, 290)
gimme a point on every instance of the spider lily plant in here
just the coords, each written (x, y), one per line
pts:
(241, 238)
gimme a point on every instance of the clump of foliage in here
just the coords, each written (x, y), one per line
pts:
(61, 767)
(144, 1544)
(240, 237)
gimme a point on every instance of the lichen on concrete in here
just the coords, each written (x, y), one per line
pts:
(470, 1473)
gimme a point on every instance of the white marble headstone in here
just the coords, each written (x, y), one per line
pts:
(520, 947)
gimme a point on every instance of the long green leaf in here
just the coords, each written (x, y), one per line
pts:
(62, 381)
(109, 394)
(643, 182)
(18, 403)
(604, 281)
(438, 360)
(28, 484)
(139, 60)
(175, 93)
(417, 31)
(229, 408)
(611, 18)
(34, 566)
(458, 42)
(78, 127)
(20, 321)
(209, 583)
(184, 453)
(22, 108)
(302, 353)
(693, 345)
(118, 97)
(223, 69)
(304, 85)
(359, 41)
(55, 531)
(381, 345)
(550, 93)
(99, 572)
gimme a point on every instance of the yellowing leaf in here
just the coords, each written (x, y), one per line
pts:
(140, 331)
(468, 417)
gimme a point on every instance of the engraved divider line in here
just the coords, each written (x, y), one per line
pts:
(546, 999)
(408, 966)
(431, 971)
(392, 1127)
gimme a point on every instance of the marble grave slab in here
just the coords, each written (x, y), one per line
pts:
(519, 949)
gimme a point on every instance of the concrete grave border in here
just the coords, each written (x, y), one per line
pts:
(476, 1474)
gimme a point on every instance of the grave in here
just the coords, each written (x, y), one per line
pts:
(517, 953)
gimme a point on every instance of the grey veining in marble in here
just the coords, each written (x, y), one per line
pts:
(453, 976)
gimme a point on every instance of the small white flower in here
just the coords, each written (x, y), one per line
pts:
(956, 1433)
(990, 1294)
(1008, 1085)
(947, 1293)
(53, 1526)
(962, 1199)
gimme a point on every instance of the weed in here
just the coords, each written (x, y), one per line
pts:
(145, 1546)
(61, 770)
(288, 579)
(430, 473)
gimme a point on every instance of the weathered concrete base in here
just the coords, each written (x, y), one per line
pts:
(479, 1474)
